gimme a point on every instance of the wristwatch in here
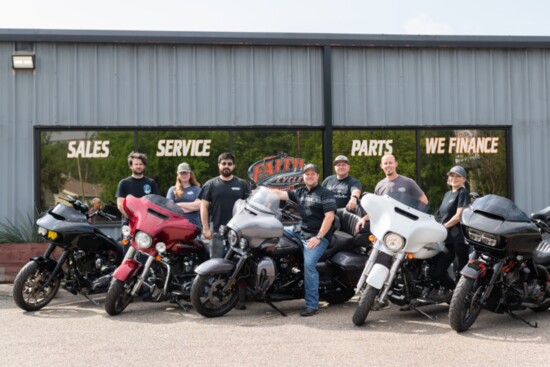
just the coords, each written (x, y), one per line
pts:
(356, 198)
(319, 237)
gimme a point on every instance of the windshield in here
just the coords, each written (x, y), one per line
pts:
(264, 199)
(410, 201)
(500, 207)
(165, 203)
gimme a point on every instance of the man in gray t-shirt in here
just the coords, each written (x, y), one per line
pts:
(394, 183)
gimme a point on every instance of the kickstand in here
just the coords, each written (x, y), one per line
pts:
(91, 300)
(276, 308)
(183, 306)
(535, 325)
(413, 307)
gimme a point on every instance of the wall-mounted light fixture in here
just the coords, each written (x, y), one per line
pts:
(21, 61)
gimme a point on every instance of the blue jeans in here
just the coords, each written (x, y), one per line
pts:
(311, 275)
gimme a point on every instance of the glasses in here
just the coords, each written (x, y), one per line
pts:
(229, 164)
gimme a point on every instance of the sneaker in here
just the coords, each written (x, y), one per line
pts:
(308, 311)
(380, 305)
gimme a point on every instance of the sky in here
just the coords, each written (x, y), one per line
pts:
(426, 17)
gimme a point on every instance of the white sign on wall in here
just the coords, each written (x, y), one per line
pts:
(88, 149)
(183, 148)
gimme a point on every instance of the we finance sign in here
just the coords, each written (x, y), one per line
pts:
(277, 171)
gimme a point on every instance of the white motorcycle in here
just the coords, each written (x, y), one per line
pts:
(400, 267)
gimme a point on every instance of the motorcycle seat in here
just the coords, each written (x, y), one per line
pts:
(541, 255)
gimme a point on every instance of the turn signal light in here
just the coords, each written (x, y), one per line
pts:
(52, 235)
(410, 256)
(372, 239)
(124, 242)
(158, 258)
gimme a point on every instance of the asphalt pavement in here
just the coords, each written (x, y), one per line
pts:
(72, 331)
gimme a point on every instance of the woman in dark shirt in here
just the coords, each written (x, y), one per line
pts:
(454, 202)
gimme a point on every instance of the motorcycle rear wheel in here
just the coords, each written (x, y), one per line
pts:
(465, 304)
(119, 296)
(208, 297)
(26, 288)
(364, 305)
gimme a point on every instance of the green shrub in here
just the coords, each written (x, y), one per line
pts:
(24, 232)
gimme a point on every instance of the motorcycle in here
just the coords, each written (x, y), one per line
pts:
(86, 262)
(400, 266)
(159, 231)
(508, 270)
(264, 264)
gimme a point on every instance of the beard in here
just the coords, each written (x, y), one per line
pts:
(137, 171)
(226, 172)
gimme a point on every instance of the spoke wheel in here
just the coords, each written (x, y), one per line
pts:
(27, 292)
(208, 297)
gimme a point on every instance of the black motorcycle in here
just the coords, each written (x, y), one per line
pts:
(508, 270)
(265, 265)
(86, 263)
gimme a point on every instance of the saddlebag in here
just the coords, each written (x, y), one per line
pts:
(348, 266)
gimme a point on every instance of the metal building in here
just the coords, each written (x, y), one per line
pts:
(126, 80)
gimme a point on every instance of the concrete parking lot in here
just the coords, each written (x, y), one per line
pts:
(72, 331)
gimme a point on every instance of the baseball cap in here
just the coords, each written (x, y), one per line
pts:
(459, 170)
(341, 158)
(184, 167)
(310, 166)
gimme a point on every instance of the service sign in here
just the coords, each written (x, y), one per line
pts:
(277, 171)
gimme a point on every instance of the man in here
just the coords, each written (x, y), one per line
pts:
(95, 207)
(317, 207)
(393, 182)
(218, 195)
(346, 189)
(137, 184)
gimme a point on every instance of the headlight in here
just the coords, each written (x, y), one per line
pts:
(125, 231)
(161, 247)
(143, 240)
(42, 231)
(232, 238)
(394, 241)
(222, 230)
(243, 243)
(474, 235)
(489, 239)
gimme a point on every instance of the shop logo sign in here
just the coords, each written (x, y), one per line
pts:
(277, 171)
(88, 149)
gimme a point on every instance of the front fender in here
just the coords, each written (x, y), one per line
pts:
(127, 270)
(215, 266)
(474, 270)
(378, 275)
(44, 262)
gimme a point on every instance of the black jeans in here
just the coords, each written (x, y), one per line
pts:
(444, 259)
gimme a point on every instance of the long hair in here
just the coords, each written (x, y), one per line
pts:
(178, 191)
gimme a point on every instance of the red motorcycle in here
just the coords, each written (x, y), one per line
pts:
(165, 241)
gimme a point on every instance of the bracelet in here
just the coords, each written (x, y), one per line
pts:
(356, 198)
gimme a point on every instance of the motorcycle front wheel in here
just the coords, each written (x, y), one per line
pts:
(364, 305)
(465, 304)
(208, 297)
(27, 292)
(119, 296)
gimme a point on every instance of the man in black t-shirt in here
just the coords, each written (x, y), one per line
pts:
(137, 184)
(317, 208)
(218, 195)
(346, 189)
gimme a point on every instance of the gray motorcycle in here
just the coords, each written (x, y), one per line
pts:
(263, 264)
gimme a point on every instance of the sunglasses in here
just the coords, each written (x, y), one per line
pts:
(229, 164)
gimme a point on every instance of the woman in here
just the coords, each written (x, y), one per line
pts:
(186, 193)
(454, 202)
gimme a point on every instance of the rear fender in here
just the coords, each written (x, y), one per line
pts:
(215, 266)
(127, 270)
(474, 270)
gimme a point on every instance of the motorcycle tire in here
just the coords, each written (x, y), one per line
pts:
(26, 292)
(465, 304)
(207, 297)
(119, 296)
(342, 296)
(364, 305)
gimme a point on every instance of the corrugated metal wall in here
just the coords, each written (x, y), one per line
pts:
(126, 85)
(382, 87)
